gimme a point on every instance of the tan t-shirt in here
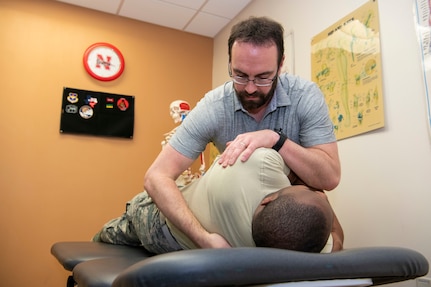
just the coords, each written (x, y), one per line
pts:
(224, 199)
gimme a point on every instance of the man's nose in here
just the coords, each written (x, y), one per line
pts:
(250, 87)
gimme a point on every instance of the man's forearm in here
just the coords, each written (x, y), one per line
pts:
(174, 207)
(171, 203)
(160, 184)
(317, 167)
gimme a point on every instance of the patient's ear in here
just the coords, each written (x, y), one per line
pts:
(269, 198)
(266, 200)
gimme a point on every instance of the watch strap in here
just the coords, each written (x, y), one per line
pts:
(280, 141)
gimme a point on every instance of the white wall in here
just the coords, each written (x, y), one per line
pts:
(384, 198)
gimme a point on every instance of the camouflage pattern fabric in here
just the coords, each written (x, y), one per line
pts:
(141, 225)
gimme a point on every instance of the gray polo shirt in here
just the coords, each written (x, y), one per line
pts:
(298, 108)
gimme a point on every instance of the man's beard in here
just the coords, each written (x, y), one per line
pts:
(252, 102)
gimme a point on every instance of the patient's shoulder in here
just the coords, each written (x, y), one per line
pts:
(266, 156)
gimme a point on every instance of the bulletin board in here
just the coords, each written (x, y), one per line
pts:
(346, 64)
(97, 113)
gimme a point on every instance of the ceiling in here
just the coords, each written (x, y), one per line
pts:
(202, 17)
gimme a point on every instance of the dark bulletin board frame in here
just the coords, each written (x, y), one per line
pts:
(97, 113)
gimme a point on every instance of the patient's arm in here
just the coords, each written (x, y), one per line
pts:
(337, 235)
(337, 231)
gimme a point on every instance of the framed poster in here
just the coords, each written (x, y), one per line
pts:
(346, 64)
(97, 113)
(422, 10)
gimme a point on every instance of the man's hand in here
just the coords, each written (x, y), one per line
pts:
(245, 144)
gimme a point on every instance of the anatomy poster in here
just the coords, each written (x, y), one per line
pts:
(423, 22)
(346, 64)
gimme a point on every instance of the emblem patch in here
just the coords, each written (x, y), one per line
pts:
(91, 101)
(72, 98)
(86, 112)
(123, 104)
(71, 109)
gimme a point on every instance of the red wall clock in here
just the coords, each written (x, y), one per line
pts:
(103, 61)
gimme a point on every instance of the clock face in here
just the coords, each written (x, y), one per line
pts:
(103, 62)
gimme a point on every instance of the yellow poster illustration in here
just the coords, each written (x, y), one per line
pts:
(345, 63)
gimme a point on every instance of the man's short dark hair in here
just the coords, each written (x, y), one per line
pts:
(288, 224)
(258, 31)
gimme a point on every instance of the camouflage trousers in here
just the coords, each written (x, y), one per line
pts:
(142, 224)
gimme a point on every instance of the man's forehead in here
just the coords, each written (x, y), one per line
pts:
(253, 59)
(250, 46)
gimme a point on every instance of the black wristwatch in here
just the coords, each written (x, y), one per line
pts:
(280, 141)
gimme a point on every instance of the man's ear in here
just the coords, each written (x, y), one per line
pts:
(281, 65)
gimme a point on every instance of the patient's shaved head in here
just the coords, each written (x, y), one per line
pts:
(294, 218)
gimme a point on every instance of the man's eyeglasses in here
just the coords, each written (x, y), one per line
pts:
(258, 82)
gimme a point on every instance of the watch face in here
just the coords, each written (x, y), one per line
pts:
(103, 61)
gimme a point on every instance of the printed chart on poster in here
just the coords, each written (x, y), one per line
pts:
(423, 22)
(346, 64)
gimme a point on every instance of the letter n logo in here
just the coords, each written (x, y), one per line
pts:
(102, 62)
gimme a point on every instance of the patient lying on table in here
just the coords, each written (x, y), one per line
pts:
(250, 204)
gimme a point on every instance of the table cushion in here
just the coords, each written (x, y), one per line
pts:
(69, 254)
(253, 266)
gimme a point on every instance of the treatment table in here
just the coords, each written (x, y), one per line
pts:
(101, 265)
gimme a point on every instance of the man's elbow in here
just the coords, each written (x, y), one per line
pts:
(332, 182)
(147, 181)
